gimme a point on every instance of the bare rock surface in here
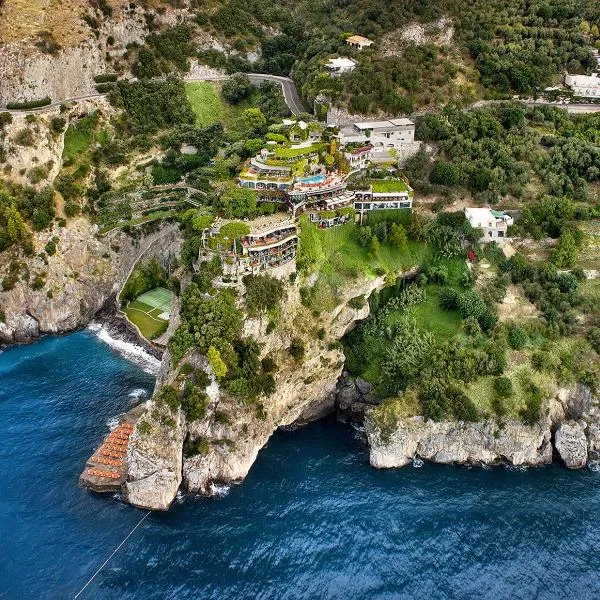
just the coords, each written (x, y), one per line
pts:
(448, 442)
(571, 444)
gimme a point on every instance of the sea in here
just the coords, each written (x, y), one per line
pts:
(311, 520)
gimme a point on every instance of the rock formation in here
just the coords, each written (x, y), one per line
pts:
(233, 431)
(85, 271)
(571, 444)
(448, 442)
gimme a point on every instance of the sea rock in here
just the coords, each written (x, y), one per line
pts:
(448, 442)
(571, 444)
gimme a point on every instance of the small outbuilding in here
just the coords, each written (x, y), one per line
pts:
(359, 42)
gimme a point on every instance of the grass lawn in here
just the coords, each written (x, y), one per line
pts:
(337, 249)
(79, 137)
(386, 186)
(146, 318)
(206, 102)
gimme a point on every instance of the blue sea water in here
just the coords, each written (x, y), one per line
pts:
(312, 520)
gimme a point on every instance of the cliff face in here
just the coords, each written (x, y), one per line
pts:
(62, 292)
(233, 431)
(462, 443)
(569, 430)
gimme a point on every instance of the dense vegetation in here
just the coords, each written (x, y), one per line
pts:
(499, 151)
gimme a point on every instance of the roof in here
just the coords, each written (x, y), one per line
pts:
(583, 80)
(341, 62)
(359, 39)
(484, 215)
(383, 124)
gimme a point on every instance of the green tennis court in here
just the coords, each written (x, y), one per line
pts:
(158, 298)
(151, 311)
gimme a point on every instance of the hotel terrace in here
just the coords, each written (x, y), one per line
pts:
(271, 243)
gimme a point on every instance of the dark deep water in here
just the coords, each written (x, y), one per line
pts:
(312, 520)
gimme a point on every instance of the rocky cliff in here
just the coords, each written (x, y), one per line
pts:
(233, 431)
(569, 430)
(62, 292)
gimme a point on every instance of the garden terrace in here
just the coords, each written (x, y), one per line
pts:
(292, 153)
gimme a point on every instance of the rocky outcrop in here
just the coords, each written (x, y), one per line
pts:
(571, 444)
(449, 442)
(232, 432)
(569, 429)
(62, 292)
(353, 397)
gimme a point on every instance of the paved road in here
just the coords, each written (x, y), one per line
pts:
(290, 93)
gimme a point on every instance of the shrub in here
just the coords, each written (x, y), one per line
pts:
(533, 404)
(297, 349)
(268, 364)
(449, 298)
(499, 407)
(29, 104)
(105, 77)
(357, 303)
(517, 338)
(593, 338)
(50, 246)
(263, 293)
(144, 428)
(194, 403)
(503, 387)
(169, 396)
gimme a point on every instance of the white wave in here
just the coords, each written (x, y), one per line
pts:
(112, 423)
(417, 462)
(179, 497)
(594, 465)
(138, 393)
(219, 489)
(517, 468)
(131, 352)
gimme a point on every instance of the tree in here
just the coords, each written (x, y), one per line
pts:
(565, 252)
(398, 237)
(444, 173)
(254, 119)
(237, 202)
(211, 321)
(237, 87)
(216, 362)
(201, 222)
(263, 293)
(406, 355)
(374, 247)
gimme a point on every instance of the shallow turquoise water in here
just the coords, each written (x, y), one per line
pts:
(312, 520)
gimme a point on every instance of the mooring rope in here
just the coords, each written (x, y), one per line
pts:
(108, 559)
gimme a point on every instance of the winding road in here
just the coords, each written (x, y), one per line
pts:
(290, 93)
(294, 103)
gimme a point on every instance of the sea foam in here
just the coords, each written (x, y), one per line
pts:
(132, 352)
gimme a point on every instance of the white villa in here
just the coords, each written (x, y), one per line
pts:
(587, 86)
(340, 66)
(358, 41)
(393, 133)
(494, 223)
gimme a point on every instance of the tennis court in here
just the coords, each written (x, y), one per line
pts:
(151, 311)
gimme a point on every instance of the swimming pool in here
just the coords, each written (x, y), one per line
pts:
(313, 179)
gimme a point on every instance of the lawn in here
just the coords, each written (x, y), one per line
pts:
(338, 249)
(388, 186)
(147, 315)
(206, 103)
